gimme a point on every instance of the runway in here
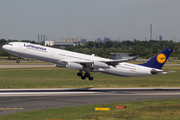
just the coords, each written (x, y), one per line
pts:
(24, 66)
(20, 100)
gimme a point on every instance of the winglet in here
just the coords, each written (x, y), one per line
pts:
(158, 60)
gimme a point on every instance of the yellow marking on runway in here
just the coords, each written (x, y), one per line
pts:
(103, 109)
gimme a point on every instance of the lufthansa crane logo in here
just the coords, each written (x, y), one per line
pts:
(161, 58)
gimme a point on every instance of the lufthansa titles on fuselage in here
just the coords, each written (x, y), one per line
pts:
(33, 47)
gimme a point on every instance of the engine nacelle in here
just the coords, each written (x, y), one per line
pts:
(99, 65)
(61, 63)
(59, 66)
(72, 65)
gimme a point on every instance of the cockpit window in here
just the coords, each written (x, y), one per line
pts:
(10, 44)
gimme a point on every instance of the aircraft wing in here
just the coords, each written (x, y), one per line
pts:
(106, 62)
(116, 62)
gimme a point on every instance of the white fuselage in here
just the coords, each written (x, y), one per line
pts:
(55, 56)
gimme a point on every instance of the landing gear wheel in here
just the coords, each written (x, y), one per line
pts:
(83, 77)
(87, 74)
(79, 74)
(18, 61)
(90, 78)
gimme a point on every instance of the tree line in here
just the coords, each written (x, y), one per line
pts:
(145, 49)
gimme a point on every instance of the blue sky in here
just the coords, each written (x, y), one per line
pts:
(124, 19)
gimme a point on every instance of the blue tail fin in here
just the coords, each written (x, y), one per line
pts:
(158, 60)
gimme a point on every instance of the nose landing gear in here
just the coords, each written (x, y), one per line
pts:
(18, 61)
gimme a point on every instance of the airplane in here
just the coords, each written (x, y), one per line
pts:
(88, 63)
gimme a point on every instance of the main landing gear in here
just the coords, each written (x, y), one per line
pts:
(83, 77)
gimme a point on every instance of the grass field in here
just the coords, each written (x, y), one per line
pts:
(139, 110)
(67, 78)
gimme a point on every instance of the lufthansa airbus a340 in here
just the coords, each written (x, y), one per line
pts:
(88, 63)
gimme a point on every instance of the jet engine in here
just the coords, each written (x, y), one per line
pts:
(99, 65)
(72, 65)
(59, 66)
(61, 63)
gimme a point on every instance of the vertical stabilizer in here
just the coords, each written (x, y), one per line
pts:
(158, 60)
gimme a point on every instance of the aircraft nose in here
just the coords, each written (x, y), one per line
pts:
(4, 47)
